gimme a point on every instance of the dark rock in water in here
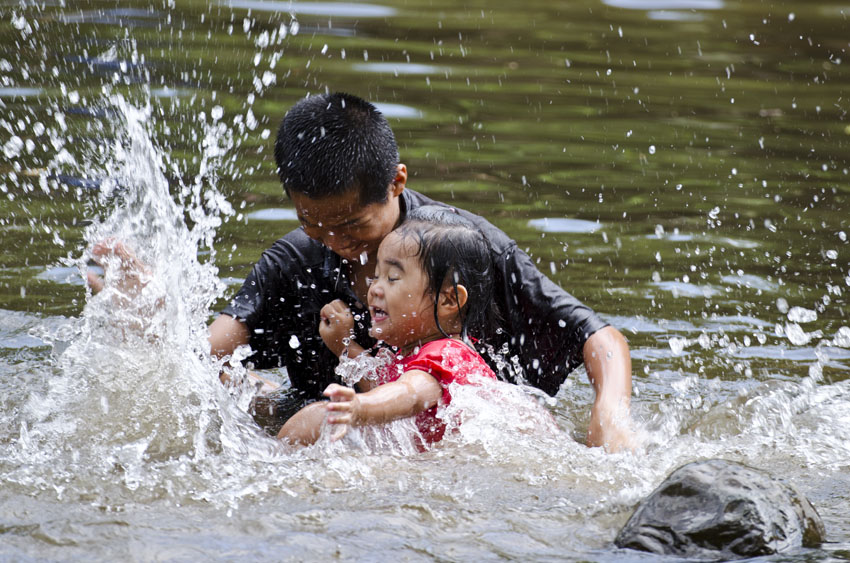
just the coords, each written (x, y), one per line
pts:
(719, 509)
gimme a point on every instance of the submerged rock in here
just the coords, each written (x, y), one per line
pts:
(719, 509)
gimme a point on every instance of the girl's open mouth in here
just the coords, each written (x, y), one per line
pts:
(378, 314)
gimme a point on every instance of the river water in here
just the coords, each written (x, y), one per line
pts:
(679, 165)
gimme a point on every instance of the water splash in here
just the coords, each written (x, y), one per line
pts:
(132, 404)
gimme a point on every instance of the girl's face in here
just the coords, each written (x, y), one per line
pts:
(401, 307)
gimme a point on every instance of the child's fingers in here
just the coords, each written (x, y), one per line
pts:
(112, 247)
(344, 418)
(339, 305)
(103, 247)
(127, 261)
(338, 406)
(339, 433)
(95, 282)
(338, 392)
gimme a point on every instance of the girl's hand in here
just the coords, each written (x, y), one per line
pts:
(336, 326)
(343, 409)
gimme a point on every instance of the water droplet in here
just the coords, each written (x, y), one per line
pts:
(802, 315)
(842, 337)
(796, 335)
(19, 22)
(13, 147)
(677, 345)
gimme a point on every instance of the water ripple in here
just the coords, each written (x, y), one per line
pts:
(342, 9)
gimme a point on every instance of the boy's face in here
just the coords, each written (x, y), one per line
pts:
(344, 225)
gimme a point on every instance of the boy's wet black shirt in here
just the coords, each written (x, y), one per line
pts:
(280, 301)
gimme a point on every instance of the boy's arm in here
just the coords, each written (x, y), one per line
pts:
(226, 334)
(547, 326)
(415, 391)
(609, 370)
(553, 324)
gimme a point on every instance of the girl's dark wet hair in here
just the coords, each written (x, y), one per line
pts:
(451, 249)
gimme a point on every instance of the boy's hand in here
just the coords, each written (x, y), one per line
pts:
(336, 326)
(133, 274)
(614, 433)
(343, 408)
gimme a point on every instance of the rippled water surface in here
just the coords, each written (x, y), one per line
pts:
(680, 165)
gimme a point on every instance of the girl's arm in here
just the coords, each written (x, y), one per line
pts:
(412, 393)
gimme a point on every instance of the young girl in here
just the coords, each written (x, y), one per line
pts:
(433, 285)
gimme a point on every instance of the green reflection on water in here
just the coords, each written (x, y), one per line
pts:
(727, 126)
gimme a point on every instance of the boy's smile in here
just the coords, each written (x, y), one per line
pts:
(344, 225)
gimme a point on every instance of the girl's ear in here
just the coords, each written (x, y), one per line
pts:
(452, 298)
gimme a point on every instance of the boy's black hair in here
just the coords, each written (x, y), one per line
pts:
(451, 248)
(330, 144)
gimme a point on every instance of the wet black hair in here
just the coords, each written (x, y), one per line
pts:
(329, 144)
(451, 249)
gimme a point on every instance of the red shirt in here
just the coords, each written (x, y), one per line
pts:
(449, 361)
